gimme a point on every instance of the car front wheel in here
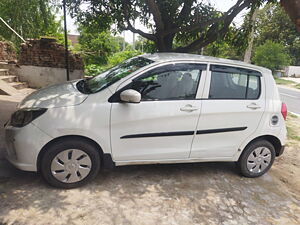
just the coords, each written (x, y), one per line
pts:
(70, 163)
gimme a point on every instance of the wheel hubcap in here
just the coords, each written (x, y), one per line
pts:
(259, 159)
(70, 166)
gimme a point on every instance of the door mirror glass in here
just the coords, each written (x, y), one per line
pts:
(130, 95)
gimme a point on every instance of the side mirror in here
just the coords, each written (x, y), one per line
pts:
(130, 95)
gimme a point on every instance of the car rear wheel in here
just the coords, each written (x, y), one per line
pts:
(257, 158)
(70, 163)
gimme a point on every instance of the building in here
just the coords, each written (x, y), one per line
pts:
(292, 71)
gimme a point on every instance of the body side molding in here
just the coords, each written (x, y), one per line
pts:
(181, 133)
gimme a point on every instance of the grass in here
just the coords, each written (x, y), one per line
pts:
(287, 82)
(293, 127)
(293, 115)
(284, 82)
(292, 134)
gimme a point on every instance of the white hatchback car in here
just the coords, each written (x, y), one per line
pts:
(154, 108)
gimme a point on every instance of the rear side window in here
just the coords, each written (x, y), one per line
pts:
(234, 83)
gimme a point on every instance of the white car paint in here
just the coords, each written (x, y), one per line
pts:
(54, 96)
(235, 113)
(69, 112)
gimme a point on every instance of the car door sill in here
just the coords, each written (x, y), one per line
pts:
(170, 161)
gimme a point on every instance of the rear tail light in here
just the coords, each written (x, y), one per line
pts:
(284, 110)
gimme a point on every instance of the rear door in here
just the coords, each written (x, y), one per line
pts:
(232, 108)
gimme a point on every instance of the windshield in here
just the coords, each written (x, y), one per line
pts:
(112, 75)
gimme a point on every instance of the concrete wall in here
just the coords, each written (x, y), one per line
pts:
(38, 77)
(292, 71)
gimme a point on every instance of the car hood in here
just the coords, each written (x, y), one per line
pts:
(59, 95)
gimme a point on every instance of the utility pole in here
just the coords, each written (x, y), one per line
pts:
(66, 41)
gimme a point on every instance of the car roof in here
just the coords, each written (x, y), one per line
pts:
(164, 57)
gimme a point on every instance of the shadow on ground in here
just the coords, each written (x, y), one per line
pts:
(208, 193)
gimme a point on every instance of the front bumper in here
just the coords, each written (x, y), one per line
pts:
(23, 145)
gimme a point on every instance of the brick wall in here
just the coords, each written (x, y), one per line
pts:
(47, 53)
(7, 52)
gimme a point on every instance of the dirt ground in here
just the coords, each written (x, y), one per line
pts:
(202, 193)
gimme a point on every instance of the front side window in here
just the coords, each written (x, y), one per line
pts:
(234, 84)
(171, 82)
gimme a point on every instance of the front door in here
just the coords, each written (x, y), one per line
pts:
(162, 125)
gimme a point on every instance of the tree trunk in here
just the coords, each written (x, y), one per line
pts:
(164, 44)
(248, 52)
(292, 7)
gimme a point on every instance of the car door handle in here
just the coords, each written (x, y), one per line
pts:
(188, 108)
(253, 106)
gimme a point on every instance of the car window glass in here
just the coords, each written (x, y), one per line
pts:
(253, 87)
(169, 84)
(114, 74)
(227, 85)
(239, 79)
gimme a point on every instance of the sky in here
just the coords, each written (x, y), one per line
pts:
(222, 5)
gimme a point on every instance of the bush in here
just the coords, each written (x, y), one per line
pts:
(121, 56)
(96, 47)
(95, 69)
(271, 55)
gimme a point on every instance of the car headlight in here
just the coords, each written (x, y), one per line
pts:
(23, 117)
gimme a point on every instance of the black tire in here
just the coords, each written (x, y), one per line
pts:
(70, 143)
(242, 163)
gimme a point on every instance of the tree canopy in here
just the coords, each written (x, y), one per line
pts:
(271, 55)
(275, 25)
(30, 18)
(192, 22)
(96, 47)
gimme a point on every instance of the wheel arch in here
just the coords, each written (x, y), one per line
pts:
(272, 139)
(61, 138)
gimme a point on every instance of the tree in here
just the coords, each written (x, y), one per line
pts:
(273, 23)
(121, 41)
(248, 51)
(292, 7)
(225, 47)
(96, 47)
(144, 45)
(221, 49)
(30, 18)
(271, 55)
(190, 21)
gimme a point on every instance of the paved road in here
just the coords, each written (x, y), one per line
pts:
(291, 98)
